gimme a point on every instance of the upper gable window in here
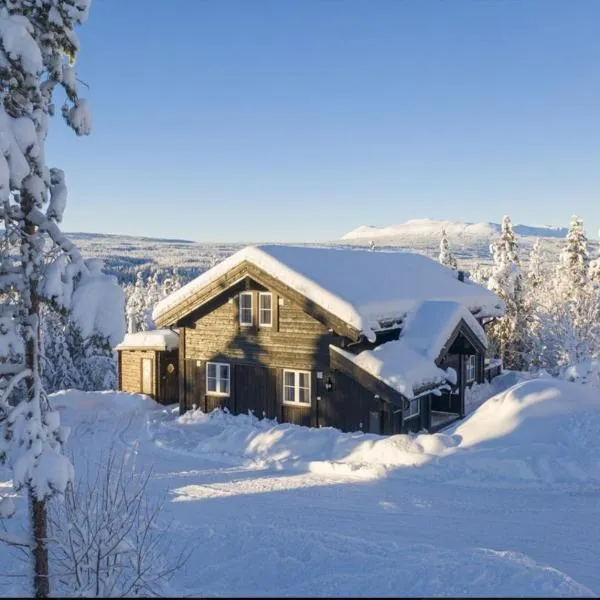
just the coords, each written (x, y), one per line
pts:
(246, 308)
(265, 309)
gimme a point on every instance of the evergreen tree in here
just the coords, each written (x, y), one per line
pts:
(38, 47)
(535, 274)
(510, 331)
(446, 257)
(574, 257)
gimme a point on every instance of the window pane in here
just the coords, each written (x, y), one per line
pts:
(303, 396)
(211, 369)
(211, 384)
(265, 301)
(303, 380)
(224, 371)
(245, 300)
(289, 378)
(246, 309)
(288, 394)
(224, 386)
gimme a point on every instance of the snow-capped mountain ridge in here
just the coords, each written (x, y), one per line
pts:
(433, 227)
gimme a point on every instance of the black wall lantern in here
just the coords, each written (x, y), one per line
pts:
(328, 383)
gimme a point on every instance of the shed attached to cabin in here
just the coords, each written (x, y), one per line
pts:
(148, 364)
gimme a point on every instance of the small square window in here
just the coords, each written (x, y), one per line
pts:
(296, 387)
(217, 379)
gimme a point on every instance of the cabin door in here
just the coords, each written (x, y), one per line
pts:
(147, 376)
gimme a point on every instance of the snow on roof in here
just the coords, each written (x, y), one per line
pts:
(157, 339)
(430, 326)
(398, 366)
(360, 287)
(408, 364)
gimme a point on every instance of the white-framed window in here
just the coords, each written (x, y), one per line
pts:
(470, 368)
(217, 379)
(414, 408)
(296, 387)
(265, 309)
(246, 308)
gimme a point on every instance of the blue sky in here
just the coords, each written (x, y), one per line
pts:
(272, 120)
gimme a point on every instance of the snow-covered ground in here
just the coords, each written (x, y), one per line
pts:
(504, 503)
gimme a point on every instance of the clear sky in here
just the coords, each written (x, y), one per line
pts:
(298, 120)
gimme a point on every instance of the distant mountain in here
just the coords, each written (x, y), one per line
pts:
(432, 227)
(469, 242)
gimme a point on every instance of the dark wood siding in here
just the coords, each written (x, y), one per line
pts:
(299, 341)
(348, 405)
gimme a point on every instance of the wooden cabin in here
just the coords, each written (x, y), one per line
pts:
(384, 342)
(148, 364)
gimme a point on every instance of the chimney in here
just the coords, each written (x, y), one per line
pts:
(461, 276)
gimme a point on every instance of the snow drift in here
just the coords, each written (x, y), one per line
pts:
(539, 432)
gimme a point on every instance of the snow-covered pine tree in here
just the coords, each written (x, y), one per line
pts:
(574, 257)
(580, 302)
(136, 304)
(38, 46)
(535, 271)
(59, 372)
(446, 257)
(509, 332)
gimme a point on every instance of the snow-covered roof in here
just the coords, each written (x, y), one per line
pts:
(360, 287)
(157, 339)
(427, 329)
(408, 364)
(398, 366)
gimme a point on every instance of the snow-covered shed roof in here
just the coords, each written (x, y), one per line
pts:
(428, 329)
(157, 339)
(398, 366)
(360, 287)
(408, 364)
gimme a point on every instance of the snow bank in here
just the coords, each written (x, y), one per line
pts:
(358, 286)
(266, 443)
(539, 432)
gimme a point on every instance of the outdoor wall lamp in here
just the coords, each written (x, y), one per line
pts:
(328, 384)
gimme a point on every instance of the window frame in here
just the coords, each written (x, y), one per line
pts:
(297, 388)
(471, 365)
(241, 309)
(218, 379)
(410, 413)
(260, 309)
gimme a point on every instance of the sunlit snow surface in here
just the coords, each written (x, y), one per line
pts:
(503, 504)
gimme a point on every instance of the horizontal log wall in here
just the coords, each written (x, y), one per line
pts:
(296, 340)
(131, 370)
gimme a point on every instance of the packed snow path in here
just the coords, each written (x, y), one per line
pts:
(315, 512)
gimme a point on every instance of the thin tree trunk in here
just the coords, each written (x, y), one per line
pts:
(38, 519)
(39, 550)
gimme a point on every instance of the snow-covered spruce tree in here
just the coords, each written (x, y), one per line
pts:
(144, 295)
(446, 257)
(59, 372)
(38, 47)
(579, 312)
(535, 271)
(574, 257)
(508, 333)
